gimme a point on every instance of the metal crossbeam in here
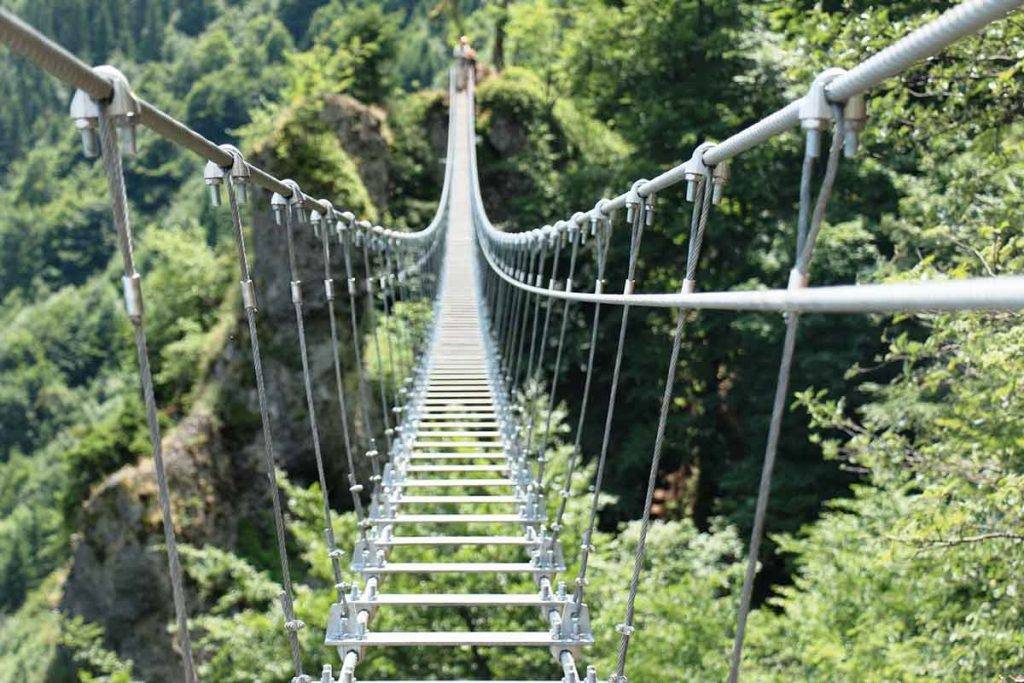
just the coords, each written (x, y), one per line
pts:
(454, 519)
(471, 500)
(457, 540)
(449, 639)
(458, 568)
(452, 483)
(460, 600)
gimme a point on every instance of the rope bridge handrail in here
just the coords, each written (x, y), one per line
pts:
(512, 269)
(813, 113)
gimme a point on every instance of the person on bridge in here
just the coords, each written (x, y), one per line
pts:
(467, 60)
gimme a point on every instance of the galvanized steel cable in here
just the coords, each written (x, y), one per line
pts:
(250, 306)
(371, 319)
(636, 218)
(546, 435)
(782, 387)
(114, 171)
(290, 213)
(327, 222)
(345, 236)
(601, 237)
(698, 225)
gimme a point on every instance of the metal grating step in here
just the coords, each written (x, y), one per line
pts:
(457, 600)
(458, 444)
(440, 455)
(431, 500)
(446, 483)
(457, 568)
(456, 540)
(441, 518)
(411, 469)
(449, 639)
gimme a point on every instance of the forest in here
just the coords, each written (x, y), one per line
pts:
(894, 550)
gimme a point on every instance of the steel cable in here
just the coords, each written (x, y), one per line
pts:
(586, 547)
(782, 390)
(329, 295)
(269, 456)
(345, 235)
(546, 435)
(307, 380)
(698, 225)
(114, 171)
(600, 237)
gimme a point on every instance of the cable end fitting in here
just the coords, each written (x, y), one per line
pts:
(855, 118)
(695, 170)
(815, 111)
(797, 280)
(132, 285)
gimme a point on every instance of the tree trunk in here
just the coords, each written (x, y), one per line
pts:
(499, 37)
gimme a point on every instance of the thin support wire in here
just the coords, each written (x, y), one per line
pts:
(782, 387)
(698, 225)
(114, 170)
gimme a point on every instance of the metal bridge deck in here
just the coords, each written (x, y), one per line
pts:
(455, 422)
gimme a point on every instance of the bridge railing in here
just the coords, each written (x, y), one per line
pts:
(383, 268)
(522, 280)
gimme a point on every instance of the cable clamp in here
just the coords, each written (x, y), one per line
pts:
(329, 289)
(296, 291)
(625, 629)
(213, 176)
(369, 285)
(694, 169)
(279, 205)
(86, 112)
(688, 286)
(797, 280)
(568, 285)
(552, 284)
(248, 294)
(316, 220)
(241, 174)
(132, 285)
(336, 554)
(351, 287)
(123, 108)
(855, 118)
(296, 201)
(815, 111)
(627, 289)
(598, 286)
(294, 625)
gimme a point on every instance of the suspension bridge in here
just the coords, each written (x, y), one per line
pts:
(459, 458)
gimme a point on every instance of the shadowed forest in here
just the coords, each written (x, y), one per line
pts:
(897, 516)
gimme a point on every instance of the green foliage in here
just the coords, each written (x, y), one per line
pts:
(369, 40)
(93, 660)
(117, 439)
(916, 576)
(387, 355)
(29, 636)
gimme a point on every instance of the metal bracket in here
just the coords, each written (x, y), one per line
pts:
(815, 110)
(367, 555)
(571, 628)
(343, 623)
